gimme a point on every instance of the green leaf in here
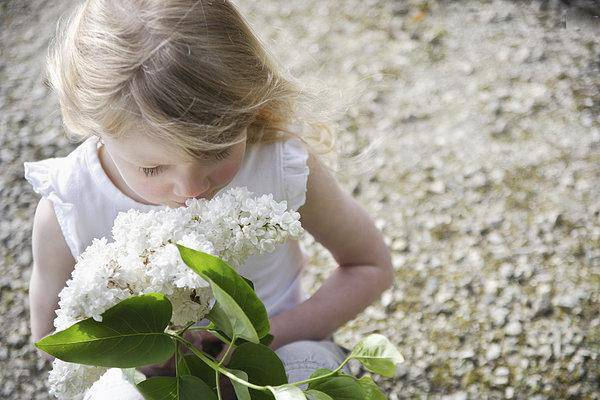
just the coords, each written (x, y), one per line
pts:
(229, 316)
(190, 364)
(316, 395)
(249, 282)
(287, 392)
(182, 367)
(262, 365)
(339, 387)
(365, 386)
(370, 389)
(241, 390)
(233, 289)
(320, 372)
(267, 339)
(378, 355)
(131, 334)
(176, 388)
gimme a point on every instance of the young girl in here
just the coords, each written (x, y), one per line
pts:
(178, 99)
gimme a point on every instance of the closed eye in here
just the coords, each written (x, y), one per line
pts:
(153, 171)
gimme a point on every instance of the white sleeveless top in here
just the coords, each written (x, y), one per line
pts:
(86, 203)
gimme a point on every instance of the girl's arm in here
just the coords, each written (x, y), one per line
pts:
(365, 269)
(52, 267)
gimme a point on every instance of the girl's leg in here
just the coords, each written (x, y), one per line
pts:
(302, 358)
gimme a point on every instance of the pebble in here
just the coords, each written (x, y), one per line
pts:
(509, 392)
(542, 307)
(513, 328)
(507, 270)
(568, 301)
(499, 316)
(457, 396)
(493, 352)
(501, 376)
(437, 187)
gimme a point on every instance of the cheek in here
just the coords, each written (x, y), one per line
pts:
(225, 173)
(146, 187)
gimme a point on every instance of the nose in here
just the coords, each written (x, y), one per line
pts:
(191, 186)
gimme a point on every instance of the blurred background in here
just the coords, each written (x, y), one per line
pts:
(484, 121)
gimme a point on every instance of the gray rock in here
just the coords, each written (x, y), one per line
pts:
(501, 376)
(498, 316)
(509, 392)
(461, 395)
(513, 328)
(507, 270)
(493, 352)
(567, 300)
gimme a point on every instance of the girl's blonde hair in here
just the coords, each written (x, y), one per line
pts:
(191, 73)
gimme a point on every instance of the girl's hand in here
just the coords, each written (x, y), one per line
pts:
(204, 341)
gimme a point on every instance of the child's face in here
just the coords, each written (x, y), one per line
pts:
(170, 176)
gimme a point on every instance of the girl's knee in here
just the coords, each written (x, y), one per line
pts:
(302, 358)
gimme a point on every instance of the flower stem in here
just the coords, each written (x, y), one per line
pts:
(176, 357)
(216, 366)
(228, 350)
(218, 386)
(205, 328)
(321, 376)
(182, 331)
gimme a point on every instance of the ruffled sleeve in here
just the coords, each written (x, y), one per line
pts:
(295, 172)
(42, 175)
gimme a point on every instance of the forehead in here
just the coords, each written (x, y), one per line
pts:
(145, 151)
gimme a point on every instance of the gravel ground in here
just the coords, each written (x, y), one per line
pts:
(484, 122)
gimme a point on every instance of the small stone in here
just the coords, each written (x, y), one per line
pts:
(493, 352)
(16, 340)
(437, 187)
(479, 180)
(514, 328)
(402, 370)
(490, 286)
(386, 298)
(444, 294)
(467, 354)
(507, 270)
(542, 307)
(568, 301)
(8, 389)
(509, 392)
(500, 128)
(501, 375)
(456, 396)
(498, 316)
(545, 351)
(522, 55)
(495, 238)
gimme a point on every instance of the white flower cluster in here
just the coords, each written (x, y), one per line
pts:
(143, 258)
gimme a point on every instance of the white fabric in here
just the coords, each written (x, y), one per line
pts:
(86, 203)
